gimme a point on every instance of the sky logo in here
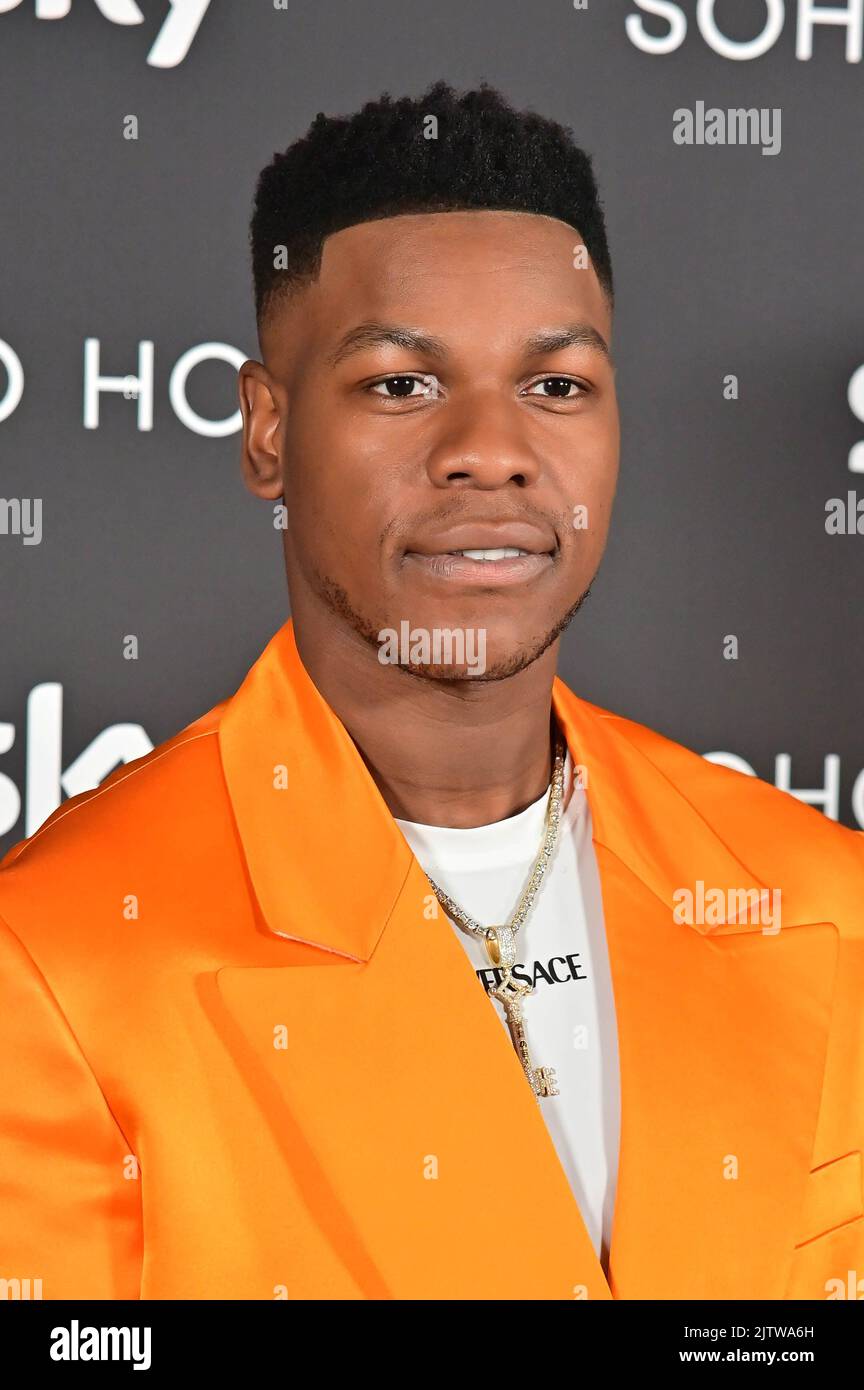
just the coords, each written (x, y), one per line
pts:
(173, 41)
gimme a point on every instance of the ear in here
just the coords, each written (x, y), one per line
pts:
(261, 463)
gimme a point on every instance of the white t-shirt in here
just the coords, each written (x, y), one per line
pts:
(570, 1019)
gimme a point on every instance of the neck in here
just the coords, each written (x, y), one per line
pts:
(456, 754)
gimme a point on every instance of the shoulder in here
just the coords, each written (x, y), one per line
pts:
(779, 837)
(156, 819)
(165, 771)
(720, 788)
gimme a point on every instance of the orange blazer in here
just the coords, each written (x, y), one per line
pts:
(244, 1058)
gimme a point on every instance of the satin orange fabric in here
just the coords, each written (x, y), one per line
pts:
(244, 1057)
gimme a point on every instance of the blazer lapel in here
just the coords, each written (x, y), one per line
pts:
(406, 1117)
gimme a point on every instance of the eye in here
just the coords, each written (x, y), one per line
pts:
(402, 387)
(557, 388)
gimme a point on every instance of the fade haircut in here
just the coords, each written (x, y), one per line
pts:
(380, 163)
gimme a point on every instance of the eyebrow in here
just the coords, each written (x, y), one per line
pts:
(368, 335)
(574, 335)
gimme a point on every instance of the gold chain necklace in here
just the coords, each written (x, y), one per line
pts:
(500, 941)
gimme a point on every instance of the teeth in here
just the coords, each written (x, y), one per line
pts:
(504, 553)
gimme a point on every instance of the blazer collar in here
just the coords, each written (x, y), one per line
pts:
(328, 862)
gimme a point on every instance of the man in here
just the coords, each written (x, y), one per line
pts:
(406, 973)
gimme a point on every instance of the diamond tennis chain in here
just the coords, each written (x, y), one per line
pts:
(500, 941)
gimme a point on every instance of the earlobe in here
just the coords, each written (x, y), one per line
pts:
(260, 462)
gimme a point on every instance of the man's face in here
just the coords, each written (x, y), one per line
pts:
(420, 398)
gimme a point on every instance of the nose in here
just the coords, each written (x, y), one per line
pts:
(483, 444)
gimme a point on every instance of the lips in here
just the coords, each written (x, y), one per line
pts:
(510, 535)
(499, 553)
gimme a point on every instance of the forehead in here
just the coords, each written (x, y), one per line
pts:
(498, 273)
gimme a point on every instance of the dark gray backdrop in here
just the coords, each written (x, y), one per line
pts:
(727, 261)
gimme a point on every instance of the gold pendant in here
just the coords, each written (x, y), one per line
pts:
(501, 949)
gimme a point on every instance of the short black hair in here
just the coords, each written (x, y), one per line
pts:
(381, 162)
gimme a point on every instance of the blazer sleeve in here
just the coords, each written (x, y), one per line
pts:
(70, 1213)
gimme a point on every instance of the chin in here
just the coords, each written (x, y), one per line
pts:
(465, 654)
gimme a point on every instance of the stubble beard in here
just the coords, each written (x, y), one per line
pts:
(337, 600)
